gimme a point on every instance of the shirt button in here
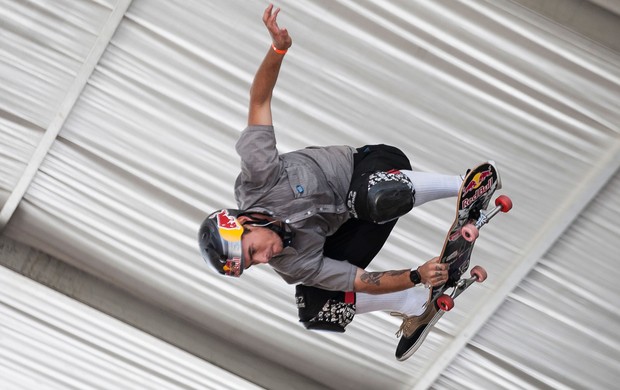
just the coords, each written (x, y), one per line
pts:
(288, 221)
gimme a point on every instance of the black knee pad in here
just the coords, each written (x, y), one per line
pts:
(381, 197)
(324, 310)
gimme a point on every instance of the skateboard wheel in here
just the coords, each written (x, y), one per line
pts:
(504, 202)
(445, 302)
(479, 273)
(469, 232)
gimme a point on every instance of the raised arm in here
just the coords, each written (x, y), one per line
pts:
(267, 74)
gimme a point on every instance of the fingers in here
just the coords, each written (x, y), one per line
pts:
(269, 18)
(433, 273)
(267, 13)
(279, 36)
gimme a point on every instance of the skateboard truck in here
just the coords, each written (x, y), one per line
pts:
(446, 302)
(470, 232)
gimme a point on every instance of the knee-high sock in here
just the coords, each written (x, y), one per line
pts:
(432, 186)
(410, 302)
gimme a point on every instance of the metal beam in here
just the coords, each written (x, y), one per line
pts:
(563, 217)
(64, 108)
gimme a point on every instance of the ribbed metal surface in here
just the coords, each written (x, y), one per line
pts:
(49, 341)
(148, 151)
(557, 329)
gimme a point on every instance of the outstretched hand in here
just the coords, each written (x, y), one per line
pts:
(433, 273)
(280, 37)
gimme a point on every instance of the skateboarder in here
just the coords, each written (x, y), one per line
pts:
(319, 215)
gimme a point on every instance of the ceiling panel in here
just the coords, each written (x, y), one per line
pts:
(50, 341)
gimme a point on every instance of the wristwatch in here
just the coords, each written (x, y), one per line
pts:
(414, 276)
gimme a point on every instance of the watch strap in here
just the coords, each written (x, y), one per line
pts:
(414, 276)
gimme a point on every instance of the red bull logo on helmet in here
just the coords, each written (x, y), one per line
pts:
(232, 267)
(229, 227)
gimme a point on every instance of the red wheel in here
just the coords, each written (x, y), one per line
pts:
(469, 232)
(479, 272)
(504, 202)
(445, 302)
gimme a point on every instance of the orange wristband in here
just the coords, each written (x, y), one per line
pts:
(282, 52)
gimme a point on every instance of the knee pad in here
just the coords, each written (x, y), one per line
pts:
(382, 197)
(324, 310)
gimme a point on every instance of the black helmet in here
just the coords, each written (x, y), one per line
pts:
(219, 238)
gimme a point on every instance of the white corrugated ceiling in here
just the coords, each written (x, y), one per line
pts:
(117, 126)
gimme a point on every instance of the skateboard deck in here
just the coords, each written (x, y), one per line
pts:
(474, 197)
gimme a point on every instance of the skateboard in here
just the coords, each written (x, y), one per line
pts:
(471, 214)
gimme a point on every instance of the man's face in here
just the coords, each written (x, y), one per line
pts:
(259, 245)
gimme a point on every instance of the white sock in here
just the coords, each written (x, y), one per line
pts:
(432, 186)
(410, 302)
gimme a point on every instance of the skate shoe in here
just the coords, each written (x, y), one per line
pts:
(413, 331)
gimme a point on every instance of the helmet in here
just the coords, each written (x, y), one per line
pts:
(219, 239)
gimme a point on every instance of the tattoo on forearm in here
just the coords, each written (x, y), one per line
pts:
(374, 278)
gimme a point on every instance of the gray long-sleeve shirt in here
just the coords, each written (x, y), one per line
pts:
(307, 189)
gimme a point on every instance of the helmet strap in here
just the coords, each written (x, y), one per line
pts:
(278, 227)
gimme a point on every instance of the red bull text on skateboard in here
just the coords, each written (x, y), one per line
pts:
(478, 184)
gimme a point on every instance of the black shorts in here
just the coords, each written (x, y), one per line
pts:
(372, 158)
(356, 241)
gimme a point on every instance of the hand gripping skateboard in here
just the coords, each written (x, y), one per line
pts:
(471, 214)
